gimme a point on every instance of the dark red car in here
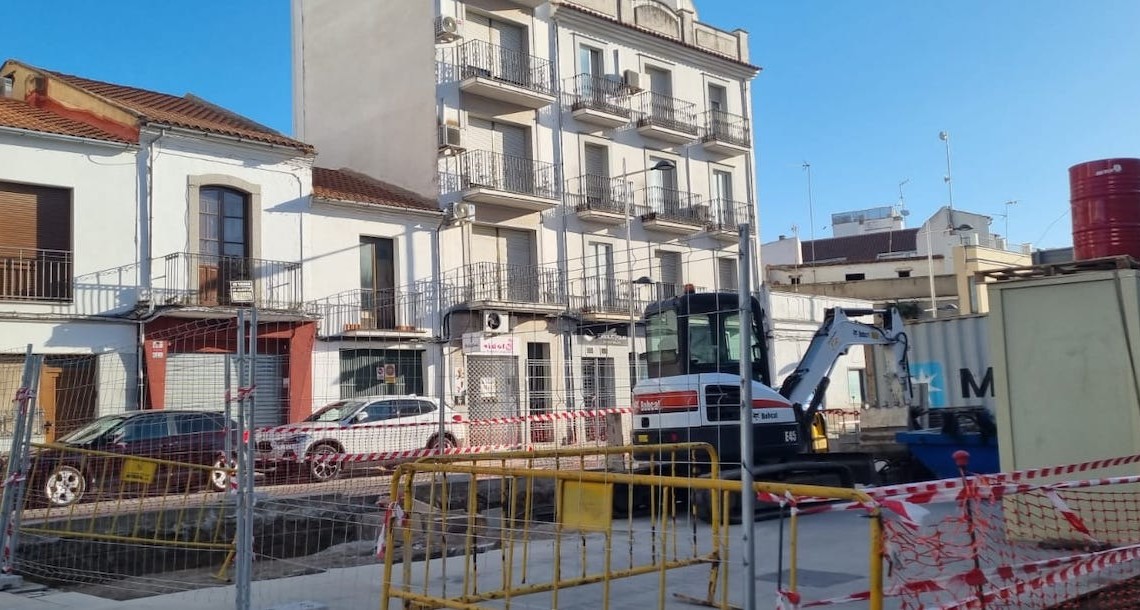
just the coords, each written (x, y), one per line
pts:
(64, 476)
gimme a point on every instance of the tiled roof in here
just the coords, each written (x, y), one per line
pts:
(188, 112)
(860, 248)
(645, 30)
(347, 185)
(21, 115)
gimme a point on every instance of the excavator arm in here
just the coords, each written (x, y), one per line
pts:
(838, 333)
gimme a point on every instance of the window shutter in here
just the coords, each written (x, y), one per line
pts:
(34, 217)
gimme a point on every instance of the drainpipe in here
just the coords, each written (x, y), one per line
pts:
(563, 255)
(146, 248)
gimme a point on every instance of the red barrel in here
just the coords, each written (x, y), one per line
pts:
(1105, 199)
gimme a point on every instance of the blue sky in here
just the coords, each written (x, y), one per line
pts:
(860, 90)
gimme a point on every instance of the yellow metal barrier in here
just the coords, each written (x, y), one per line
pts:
(111, 497)
(583, 507)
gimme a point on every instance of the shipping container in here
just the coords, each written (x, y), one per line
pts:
(951, 358)
(1065, 354)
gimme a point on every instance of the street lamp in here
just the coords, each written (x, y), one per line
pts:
(663, 165)
(930, 264)
(948, 178)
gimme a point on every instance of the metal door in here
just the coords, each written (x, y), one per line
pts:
(493, 391)
(598, 392)
(198, 381)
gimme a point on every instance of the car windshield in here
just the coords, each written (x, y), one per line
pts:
(93, 430)
(336, 411)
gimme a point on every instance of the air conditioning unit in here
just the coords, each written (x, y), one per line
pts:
(632, 79)
(496, 322)
(446, 29)
(461, 211)
(450, 139)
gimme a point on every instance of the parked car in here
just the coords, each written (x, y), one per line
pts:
(365, 426)
(64, 474)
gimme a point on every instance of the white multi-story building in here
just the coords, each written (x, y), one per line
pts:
(536, 125)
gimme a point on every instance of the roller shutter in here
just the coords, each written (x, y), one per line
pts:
(198, 381)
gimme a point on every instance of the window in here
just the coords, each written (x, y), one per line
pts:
(854, 277)
(590, 61)
(538, 386)
(414, 408)
(727, 273)
(379, 411)
(661, 338)
(197, 424)
(222, 226)
(363, 372)
(904, 273)
(35, 243)
(856, 387)
(146, 428)
(377, 283)
(795, 280)
(601, 275)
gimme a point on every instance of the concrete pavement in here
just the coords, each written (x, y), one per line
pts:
(834, 559)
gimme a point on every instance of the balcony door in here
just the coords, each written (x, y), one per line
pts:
(500, 157)
(722, 196)
(504, 269)
(718, 107)
(661, 94)
(223, 243)
(377, 283)
(596, 161)
(669, 270)
(663, 193)
(498, 51)
(602, 282)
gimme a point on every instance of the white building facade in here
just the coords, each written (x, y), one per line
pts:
(535, 113)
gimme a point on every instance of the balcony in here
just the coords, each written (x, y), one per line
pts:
(667, 119)
(31, 274)
(506, 180)
(672, 211)
(505, 75)
(401, 312)
(203, 281)
(726, 216)
(609, 298)
(726, 134)
(599, 100)
(599, 199)
(504, 286)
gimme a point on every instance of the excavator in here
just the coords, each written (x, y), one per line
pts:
(692, 390)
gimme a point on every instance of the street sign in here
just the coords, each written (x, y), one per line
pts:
(386, 373)
(241, 292)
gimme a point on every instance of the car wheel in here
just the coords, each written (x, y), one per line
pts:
(320, 467)
(65, 486)
(448, 442)
(219, 474)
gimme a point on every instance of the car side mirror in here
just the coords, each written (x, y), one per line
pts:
(361, 416)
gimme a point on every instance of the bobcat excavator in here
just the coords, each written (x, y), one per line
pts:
(692, 390)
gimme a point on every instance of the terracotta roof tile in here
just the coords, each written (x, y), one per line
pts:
(347, 185)
(860, 248)
(21, 115)
(188, 112)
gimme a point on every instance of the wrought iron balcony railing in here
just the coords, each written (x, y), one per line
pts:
(610, 295)
(31, 274)
(660, 110)
(404, 309)
(669, 204)
(500, 172)
(482, 59)
(600, 93)
(728, 215)
(203, 280)
(504, 283)
(726, 127)
(597, 193)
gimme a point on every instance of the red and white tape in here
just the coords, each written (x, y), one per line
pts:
(405, 455)
(394, 512)
(493, 421)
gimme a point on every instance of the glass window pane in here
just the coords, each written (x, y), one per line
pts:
(208, 201)
(234, 229)
(233, 249)
(233, 205)
(208, 247)
(208, 227)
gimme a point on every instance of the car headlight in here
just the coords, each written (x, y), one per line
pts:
(296, 439)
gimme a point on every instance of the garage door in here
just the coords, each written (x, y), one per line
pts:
(198, 381)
